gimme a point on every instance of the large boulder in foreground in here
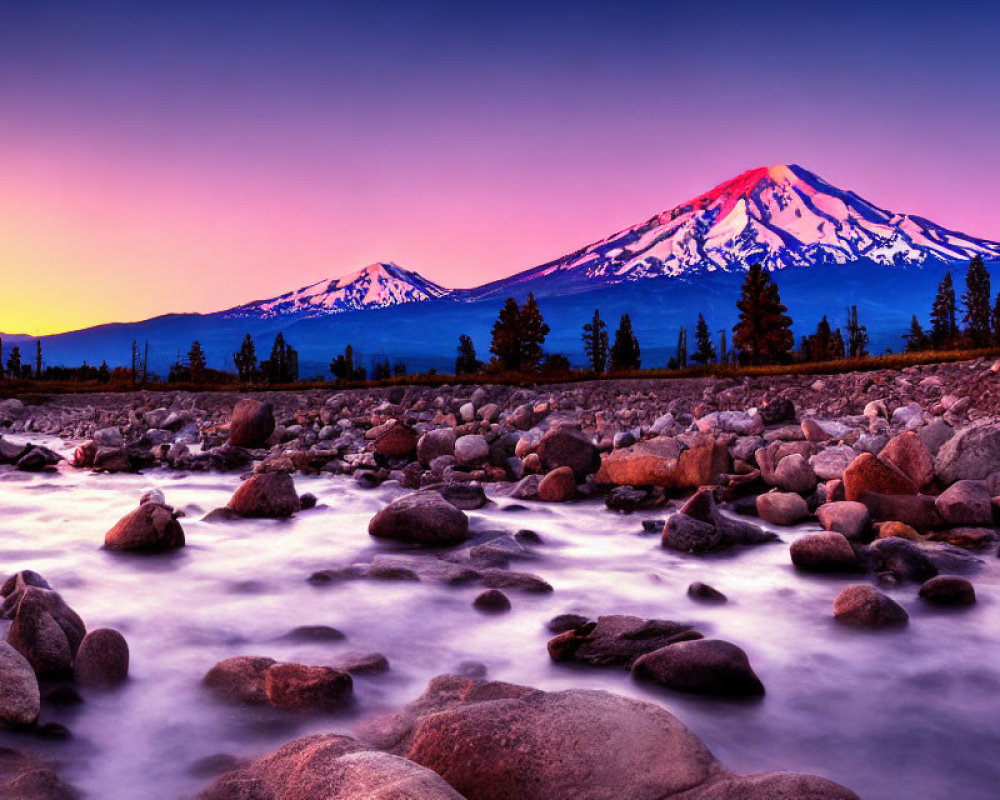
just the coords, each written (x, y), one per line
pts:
(265, 494)
(25, 777)
(150, 528)
(667, 462)
(973, 453)
(102, 659)
(330, 767)
(703, 666)
(46, 631)
(499, 741)
(20, 701)
(421, 518)
(567, 448)
(252, 423)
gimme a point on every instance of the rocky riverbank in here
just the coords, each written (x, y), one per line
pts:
(895, 475)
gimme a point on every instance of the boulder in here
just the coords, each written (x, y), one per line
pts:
(46, 631)
(399, 441)
(966, 538)
(972, 453)
(558, 486)
(793, 474)
(966, 502)
(561, 447)
(330, 767)
(26, 777)
(421, 518)
(664, 461)
(780, 409)
(471, 450)
(298, 687)
(617, 640)
(20, 701)
(846, 517)
(868, 474)
(898, 529)
(688, 535)
(150, 528)
(704, 593)
(252, 423)
(862, 604)
(704, 666)
(823, 552)
(813, 431)
(919, 511)
(908, 453)
(102, 659)
(770, 786)
(492, 600)
(265, 494)
(240, 679)
(948, 590)
(782, 508)
(904, 559)
(436, 443)
(829, 464)
(466, 496)
(700, 527)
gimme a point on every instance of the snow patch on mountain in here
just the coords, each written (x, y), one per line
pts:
(375, 286)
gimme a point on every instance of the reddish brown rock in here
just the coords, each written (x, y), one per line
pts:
(869, 475)
(567, 448)
(252, 423)
(823, 552)
(298, 687)
(703, 666)
(265, 494)
(150, 528)
(422, 518)
(102, 659)
(861, 604)
(908, 453)
(557, 486)
(399, 441)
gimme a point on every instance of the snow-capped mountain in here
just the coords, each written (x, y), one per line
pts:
(780, 216)
(375, 286)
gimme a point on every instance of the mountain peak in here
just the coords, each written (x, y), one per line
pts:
(376, 285)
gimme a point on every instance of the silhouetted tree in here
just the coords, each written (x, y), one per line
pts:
(196, 361)
(857, 335)
(533, 333)
(103, 373)
(995, 319)
(283, 365)
(944, 330)
(466, 362)
(399, 368)
(381, 368)
(14, 362)
(704, 351)
(554, 364)
(625, 350)
(344, 369)
(595, 342)
(682, 348)
(977, 303)
(916, 339)
(246, 359)
(506, 343)
(837, 346)
(763, 334)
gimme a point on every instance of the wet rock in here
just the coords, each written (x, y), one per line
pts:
(770, 786)
(688, 535)
(566, 622)
(47, 632)
(434, 444)
(471, 450)
(362, 664)
(566, 448)
(240, 680)
(704, 666)
(830, 463)
(298, 687)
(617, 640)
(847, 517)
(781, 508)
(265, 494)
(823, 552)
(919, 511)
(862, 604)
(466, 496)
(557, 486)
(20, 701)
(704, 593)
(526, 488)
(904, 559)
(252, 423)
(699, 526)
(948, 590)
(330, 767)
(102, 659)
(966, 538)
(793, 474)
(314, 633)
(399, 441)
(25, 777)
(492, 600)
(421, 518)
(521, 581)
(664, 461)
(971, 454)
(908, 453)
(150, 528)
(867, 474)
(307, 501)
(898, 529)
(965, 502)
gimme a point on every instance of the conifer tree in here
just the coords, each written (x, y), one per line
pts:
(995, 320)
(820, 344)
(595, 342)
(466, 361)
(977, 303)
(704, 351)
(196, 362)
(625, 350)
(943, 327)
(533, 333)
(246, 359)
(857, 335)
(837, 347)
(682, 348)
(14, 362)
(763, 334)
(916, 339)
(506, 343)
(38, 359)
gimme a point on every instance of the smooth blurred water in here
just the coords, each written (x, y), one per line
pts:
(909, 713)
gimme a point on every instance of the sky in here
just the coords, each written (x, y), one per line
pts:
(190, 156)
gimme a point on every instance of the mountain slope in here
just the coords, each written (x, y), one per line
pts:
(375, 286)
(780, 216)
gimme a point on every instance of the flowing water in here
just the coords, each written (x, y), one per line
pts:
(907, 713)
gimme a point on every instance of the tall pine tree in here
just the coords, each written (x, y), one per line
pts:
(857, 335)
(977, 304)
(943, 327)
(763, 334)
(466, 361)
(506, 343)
(533, 333)
(246, 359)
(625, 350)
(196, 362)
(704, 352)
(595, 342)
(916, 339)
